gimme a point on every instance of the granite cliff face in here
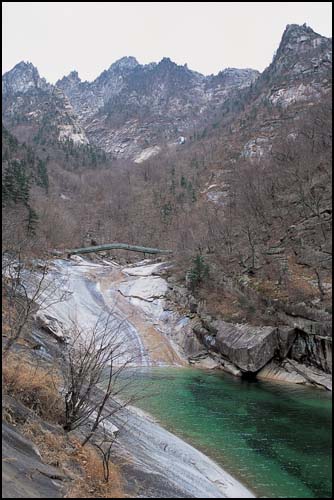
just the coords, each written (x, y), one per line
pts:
(23, 78)
(37, 111)
(302, 53)
(299, 75)
(133, 107)
(298, 349)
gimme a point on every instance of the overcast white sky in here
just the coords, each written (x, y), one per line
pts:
(58, 37)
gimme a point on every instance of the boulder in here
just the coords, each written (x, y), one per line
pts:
(312, 344)
(191, 345)
(208, 363)
(313, 375)
(230, 368)
(51, 325)
(248, 347)
(144, 288)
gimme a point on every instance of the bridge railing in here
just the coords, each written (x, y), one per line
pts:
(117, 246)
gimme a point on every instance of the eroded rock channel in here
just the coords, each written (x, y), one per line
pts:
(139, 301)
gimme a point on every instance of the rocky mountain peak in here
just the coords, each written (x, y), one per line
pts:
(296, 32)
(74, 76)
(127, 62)
(237, 76)
(166, 61)
(168, 70)
(302, 52)
(168, 65)
(301, 38)
(25, 66)
(131, 108)
(23, 78)
(31, 101)
(71, 80)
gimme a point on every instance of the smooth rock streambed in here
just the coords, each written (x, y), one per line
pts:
(273, 437)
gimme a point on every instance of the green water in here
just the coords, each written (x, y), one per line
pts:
(275, 438)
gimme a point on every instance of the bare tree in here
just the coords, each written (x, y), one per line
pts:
(94, 358)
(104, 447)
(320, 283)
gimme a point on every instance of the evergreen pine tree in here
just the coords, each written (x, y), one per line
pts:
(198, 273)
(32, 221)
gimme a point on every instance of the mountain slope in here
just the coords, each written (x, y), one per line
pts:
(131, 107)
(20, 169)
(299, 76)
(127, 109)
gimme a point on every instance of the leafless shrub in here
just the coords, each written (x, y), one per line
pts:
(94, 357)
(104, 447)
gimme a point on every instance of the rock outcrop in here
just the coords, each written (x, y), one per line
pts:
(284, 353)
(291, 371)
(131, 109)
(51, 325)
(299, 75)
(145, 290)
(21, 460)
(23, 78)
(299, 350)
(312, 350)
(247, 347)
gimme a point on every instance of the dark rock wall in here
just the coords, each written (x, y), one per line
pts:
(312, 350)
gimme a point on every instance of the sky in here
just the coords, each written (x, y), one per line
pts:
(59, 37)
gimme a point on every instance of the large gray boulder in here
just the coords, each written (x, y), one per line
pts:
(248, 347)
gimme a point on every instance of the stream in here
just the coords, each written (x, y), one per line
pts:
(275, 438)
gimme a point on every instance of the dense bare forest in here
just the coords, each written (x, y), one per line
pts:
(270, 225)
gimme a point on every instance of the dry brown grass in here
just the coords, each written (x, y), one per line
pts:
(83, 466)
(54, 447)
(223, 304)
(269, 289)
(7, 311)
(301, 279)
(92, 484)
(35, 386)
(38, 388)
